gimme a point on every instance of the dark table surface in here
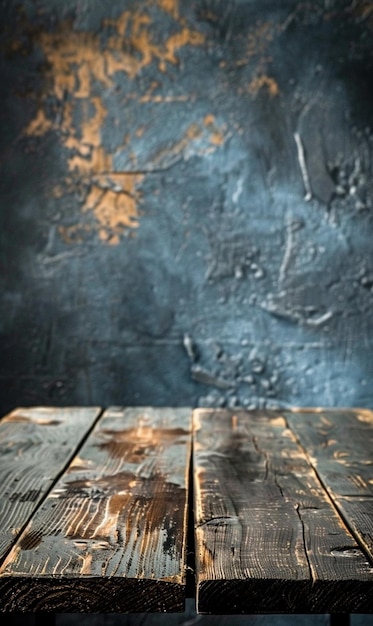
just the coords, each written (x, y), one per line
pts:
(95, 507)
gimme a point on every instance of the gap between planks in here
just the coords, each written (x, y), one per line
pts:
(328, 488)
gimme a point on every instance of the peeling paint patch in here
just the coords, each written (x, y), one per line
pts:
(74, 234)
(80, 71)
(40, 125)
(264, 82)
(114, 200)
(135, 28)
(216, 134)
(169, 6)
(57, 191)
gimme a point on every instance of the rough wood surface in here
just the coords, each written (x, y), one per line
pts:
(36, 444)
(339, 444)
(267, 536)
(111, 535)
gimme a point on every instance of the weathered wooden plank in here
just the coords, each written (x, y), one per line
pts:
(36, 444)
(111, 535)
(267, 536)
(339, 443)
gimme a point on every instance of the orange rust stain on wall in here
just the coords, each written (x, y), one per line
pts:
(216, 136)
(169, 6)
(133, 30)
(39, 125)
(98, 161)
(75, 59)
(114, 199)
(264, 82)
(179, 40)
(57, 191)
(75, 233)
(209, 119)
(77, 64)
(139, 132)
(91, 127)
(90, 157)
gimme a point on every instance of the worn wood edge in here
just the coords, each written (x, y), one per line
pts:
(189, 490)
(177, 581)
(97, 412)
(363, 535)
(124, 595)
(90, 595)
(248, 596)
(256, 596)
(196, 505)
(317, 409)
(48, 409)
(337, 500)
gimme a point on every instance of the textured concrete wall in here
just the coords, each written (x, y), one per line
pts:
(186, 202)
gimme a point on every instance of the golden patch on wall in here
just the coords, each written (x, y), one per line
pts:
(217, 135)
(39, 125)
(131, 47)
(264, 82)
(169, 6)
(114, 200)
(259, 59)
(80, 79)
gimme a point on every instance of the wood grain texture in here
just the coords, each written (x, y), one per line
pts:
(111, 535)
(339, 444)
(267, 536)
(36, 444)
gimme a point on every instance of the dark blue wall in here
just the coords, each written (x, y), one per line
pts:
(156, 246)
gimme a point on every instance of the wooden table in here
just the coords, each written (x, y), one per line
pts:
(94, 507)
(284, 511)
